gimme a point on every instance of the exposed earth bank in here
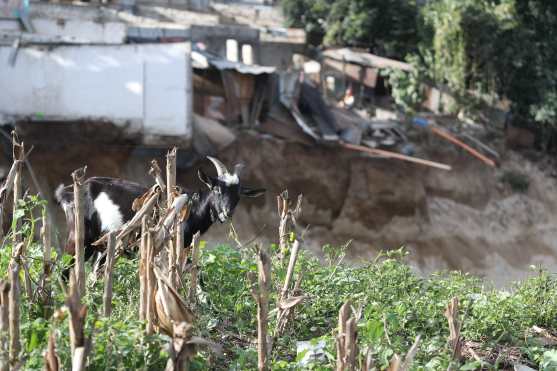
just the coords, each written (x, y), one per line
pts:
(466, 219)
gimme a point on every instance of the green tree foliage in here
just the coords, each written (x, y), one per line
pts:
(309, 15)
(384, 27)
(503, 47)
(496, 48)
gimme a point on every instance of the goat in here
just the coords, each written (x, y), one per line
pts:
(108, 204)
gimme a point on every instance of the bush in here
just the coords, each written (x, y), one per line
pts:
(518, 181)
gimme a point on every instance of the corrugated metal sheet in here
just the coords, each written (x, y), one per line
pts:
(204, 60)
(365, 59)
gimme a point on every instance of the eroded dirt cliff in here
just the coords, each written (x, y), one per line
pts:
(467, 219)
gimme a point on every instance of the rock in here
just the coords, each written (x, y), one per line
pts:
(217, 134)
(521, 367)
(313, 352)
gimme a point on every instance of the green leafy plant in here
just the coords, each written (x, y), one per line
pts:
(394, 303)
(518, 181)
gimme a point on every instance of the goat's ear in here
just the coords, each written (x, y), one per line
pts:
(205, 178)
(251, 192)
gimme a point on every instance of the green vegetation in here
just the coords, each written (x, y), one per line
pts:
(395, 305)
(482, 50)
(518, 181)
(119, 343)
(387, 27)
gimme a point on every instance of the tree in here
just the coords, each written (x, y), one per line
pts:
(384, 27)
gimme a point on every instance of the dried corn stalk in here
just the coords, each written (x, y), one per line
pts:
(192, 294)
(346, 342)
(4, 325)
(79, 233)
(51, 359)
(455, 340)
(288, 298)
(80, 346)
(169, 305)
(109, 265)
(286, 214)
(15, 304)
(261, 296)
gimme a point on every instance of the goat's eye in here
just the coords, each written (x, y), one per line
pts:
(217, 190)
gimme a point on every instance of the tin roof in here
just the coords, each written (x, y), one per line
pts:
(365, 59)
(202, 59)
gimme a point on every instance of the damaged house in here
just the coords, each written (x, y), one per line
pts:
(129, 64)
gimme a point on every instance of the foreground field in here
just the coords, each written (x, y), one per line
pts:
(391, 304)
(249, 306)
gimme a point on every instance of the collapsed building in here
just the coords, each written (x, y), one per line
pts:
(188, 73)
(126, 63)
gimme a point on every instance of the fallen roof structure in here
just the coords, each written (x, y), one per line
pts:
(202, 59)
(244, 88)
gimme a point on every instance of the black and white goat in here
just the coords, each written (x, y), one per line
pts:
(108, 204)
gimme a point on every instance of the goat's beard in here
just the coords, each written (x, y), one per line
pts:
(220, 216)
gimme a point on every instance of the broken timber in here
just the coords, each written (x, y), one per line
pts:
(447, 136)
(398, 156)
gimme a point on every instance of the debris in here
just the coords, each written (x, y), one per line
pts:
(289, 92)
(521, 367)
(245, 86)
(545, 337)
(351, 135)
(389, 154)
(312, 351)
(447, 136)
(311, 103)
(286, 129)
(483, 146)
(217, 134)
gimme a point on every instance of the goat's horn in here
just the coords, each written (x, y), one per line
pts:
(238, 168)
(221, 169)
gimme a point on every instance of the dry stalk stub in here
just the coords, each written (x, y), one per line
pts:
(455, 340)
(109, 265)
(4, 325)
(260, 293)
(79, 232)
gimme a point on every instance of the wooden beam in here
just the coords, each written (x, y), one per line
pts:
(397, 156)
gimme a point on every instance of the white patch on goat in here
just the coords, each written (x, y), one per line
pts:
(230, 179)
(109, 213)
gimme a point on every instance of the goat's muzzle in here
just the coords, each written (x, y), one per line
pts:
(223, 217)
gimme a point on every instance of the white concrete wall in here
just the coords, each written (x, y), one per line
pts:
(82, 30)
(144, 85)
(77, 30)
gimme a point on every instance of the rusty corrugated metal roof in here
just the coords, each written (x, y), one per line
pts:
(365, 59)
(203, 60)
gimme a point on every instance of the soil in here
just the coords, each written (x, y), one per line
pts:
(466, 219)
